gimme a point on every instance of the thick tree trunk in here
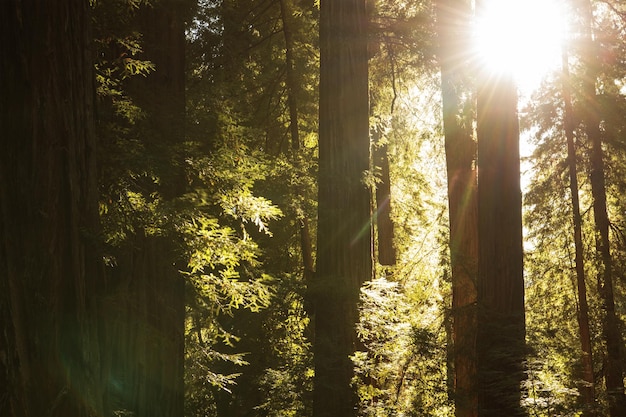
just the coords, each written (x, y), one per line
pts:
(453, 17)
(501, 327)
(587, 388)
(144, 321)
(344, 253)
(613, 371)
(48, 212)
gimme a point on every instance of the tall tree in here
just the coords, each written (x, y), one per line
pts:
(501, 321)
(344, 257)
(144, 308)
(294, 130)
(587, 388)
(48, 225)
(453, 18)
(613, 371)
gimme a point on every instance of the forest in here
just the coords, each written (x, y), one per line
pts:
(312, 208)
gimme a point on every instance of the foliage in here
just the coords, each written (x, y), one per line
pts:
(246, 194)
(399, 373)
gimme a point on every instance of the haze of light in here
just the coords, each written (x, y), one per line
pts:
(520, 37)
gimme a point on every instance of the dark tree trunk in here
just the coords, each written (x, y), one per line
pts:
(384, 224)
(49, 350)
(292, 102)
(587, 388)
(144, 322)
(501, 327)
(344, 253)
(613, 371)
(453, 25)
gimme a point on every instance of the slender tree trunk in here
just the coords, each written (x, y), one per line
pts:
(501, 321)
(613, 371)
(50, 272)
(587, 389)
(291, 76)
(344, 253)
(292, 102)
(453, 17)
(384, 224)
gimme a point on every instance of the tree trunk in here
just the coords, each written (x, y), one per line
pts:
(384, 224)
(344, 253)
(145, 309)
(501, 327)
(292, 103)
(453, 17)
(587, 389)
(49, 347)
(613, 372)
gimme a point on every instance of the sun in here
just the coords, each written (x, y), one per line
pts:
(523, 38)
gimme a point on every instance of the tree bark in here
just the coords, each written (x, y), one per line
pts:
(501, 321)
(613, 371)
(453, 17)
(587, 389)
(344, 253)
(144, 305)
(48, 212)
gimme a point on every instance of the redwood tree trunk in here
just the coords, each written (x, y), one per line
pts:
(501, 327)
(453, 17)
(50, 273)
(344, 253)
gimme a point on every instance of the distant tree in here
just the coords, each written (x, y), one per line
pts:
(592, 118)
(343, 248)
(587, 387)
(50, 269)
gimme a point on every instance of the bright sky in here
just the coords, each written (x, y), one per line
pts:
(525, 38)
(521, 36)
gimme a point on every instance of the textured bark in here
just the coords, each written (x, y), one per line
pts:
(587, 389)
(453, 17)
(48, 211)
(501, 327)
(613, 371)
(144, 304)
(344, 253)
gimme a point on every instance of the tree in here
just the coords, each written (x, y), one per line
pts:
(453, 19)
(501, 329)
(51, 270)
(587, 388)
(613, 371)
(343, 249)
(143, 176)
